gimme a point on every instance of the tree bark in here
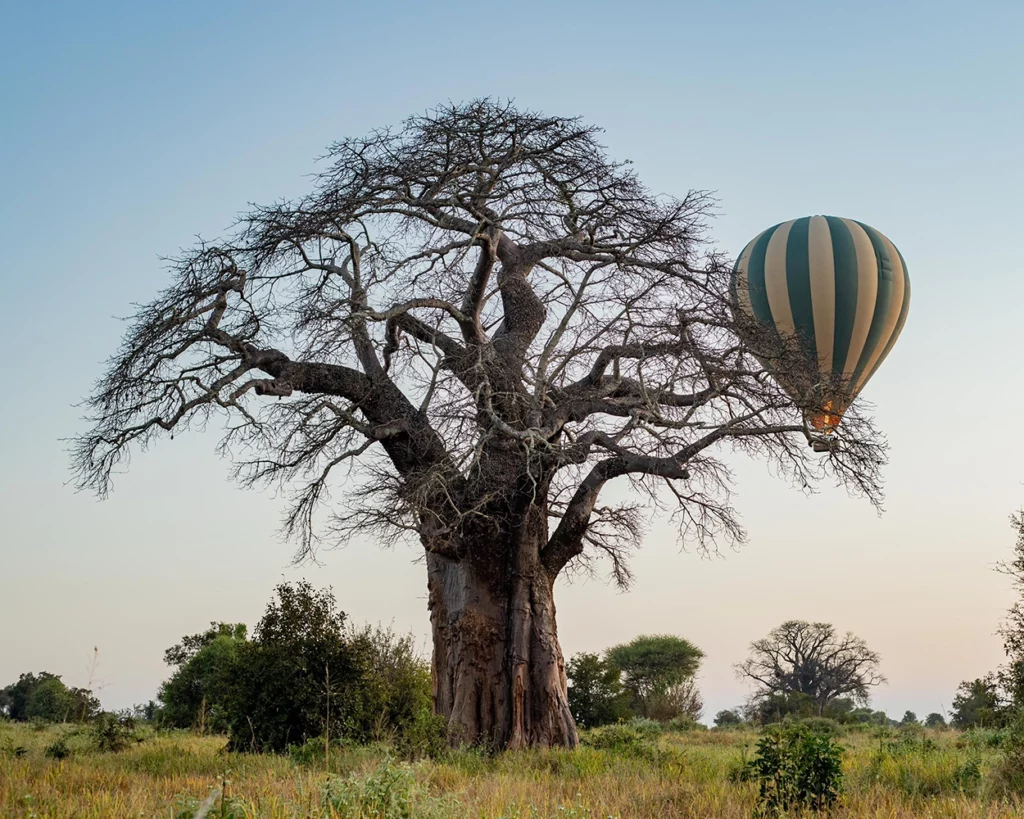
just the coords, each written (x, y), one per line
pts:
(498, 671)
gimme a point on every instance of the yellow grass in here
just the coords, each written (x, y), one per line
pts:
(692, 775)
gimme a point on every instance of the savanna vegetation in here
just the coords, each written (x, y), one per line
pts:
(311, 716)
(466, 330)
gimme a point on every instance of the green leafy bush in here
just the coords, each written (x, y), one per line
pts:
(425, 736)
(114, 732)
(58, 749)
(796, 767)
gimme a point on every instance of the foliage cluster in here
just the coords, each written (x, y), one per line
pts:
(796, 767)
(304, 674)
(652, 676)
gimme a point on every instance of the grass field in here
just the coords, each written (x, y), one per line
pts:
(694, 774)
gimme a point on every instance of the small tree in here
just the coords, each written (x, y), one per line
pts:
(198, 693)
(979, 703)
(728, 718)
(596, 695)
(810, 663)
(395, 686)
(935, 720)
(909, 720)
(190, 645)
(299, 677)
(658, 671)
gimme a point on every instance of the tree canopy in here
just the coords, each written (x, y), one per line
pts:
(658, 670)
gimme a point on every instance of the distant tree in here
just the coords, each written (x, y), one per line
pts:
(596, 695)
(299, 677)
(44, 696)
(658, 669)
(813, 661)
(979, 703)
(935, 720)
(198, 693)
(727, 718)
(909, 719)
(178, 655)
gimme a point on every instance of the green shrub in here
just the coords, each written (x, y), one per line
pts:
(389, 792)
(628, 741)
(425, 736)
(683, 724)
(796, 767)
(646, 727)
(821, 725)
(313, 751)
(113, 732)
(58, 749)
(1008, 774)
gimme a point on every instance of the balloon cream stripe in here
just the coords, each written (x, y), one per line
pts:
(775, 282)
(823, 292)
(742, 284)
(867, 291)
(759, 304)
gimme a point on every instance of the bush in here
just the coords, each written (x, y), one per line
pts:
(727, 719)
(395, 686)
(596, 695)
(683, 724)
(1008, 773)
(796, 767)
(299, 676)
(425, 736)
(821, 725)
(113, 732)
(389, 792)
(306, 675)
(646, 727)
(58, 749)
(619, 739)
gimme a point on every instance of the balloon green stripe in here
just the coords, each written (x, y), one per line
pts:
(755, 280)
(883, 301)
(844, 255)
(798, 282)
(904, 309)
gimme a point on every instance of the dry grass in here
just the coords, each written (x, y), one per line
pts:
(678, 775)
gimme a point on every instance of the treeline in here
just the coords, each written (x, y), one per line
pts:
(305, 673)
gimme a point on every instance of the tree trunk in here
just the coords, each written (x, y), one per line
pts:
(498, 671)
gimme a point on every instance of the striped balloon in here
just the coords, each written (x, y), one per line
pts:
(834, 290)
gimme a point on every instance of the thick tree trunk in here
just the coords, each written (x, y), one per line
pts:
(498, 670)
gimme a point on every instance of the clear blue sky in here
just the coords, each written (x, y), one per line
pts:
(129, 128)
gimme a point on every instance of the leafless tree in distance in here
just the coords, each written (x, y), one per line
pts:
(813, 660)
(472, 324)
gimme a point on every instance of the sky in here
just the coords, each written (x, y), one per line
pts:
(126, 129)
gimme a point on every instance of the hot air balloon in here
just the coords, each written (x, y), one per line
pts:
(821, 301)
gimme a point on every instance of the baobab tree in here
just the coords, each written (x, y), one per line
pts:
(812, 661)
(471, 325)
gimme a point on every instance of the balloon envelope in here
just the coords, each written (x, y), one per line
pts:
(824, 300)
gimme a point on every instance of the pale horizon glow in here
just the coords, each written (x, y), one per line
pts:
(131, 128)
